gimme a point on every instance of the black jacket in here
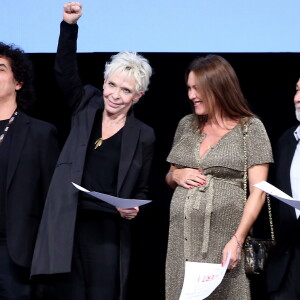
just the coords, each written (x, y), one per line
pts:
(53, 252)
(287, 226)
(31, 161)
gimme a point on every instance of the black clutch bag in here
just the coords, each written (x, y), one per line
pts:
(256, 250)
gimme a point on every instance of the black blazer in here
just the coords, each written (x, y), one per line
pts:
(53, 251)
(287, 226)
(31, 161)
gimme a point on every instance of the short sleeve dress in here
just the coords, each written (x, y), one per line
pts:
(204, 219)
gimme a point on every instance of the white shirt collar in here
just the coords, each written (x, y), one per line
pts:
(297, 133)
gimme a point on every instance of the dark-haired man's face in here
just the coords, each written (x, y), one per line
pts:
(8, 84)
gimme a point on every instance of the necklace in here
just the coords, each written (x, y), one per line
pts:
(116, 127)
(10, 121)
(98, 143)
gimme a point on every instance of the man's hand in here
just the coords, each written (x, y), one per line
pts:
(72, 12)
(128, 213)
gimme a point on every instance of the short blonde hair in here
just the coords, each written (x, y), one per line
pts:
(132, 64)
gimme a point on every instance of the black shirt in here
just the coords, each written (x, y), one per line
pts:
(4, 154)
(102, 164)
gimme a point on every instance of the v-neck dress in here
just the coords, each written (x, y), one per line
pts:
(204, 219)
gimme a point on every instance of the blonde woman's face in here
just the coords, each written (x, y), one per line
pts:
(119, 93)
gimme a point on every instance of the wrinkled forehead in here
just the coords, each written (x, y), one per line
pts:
(122, 77)
(125, 74)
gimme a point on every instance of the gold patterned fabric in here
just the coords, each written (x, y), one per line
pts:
(204, 219)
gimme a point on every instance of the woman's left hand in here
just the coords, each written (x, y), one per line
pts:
(235, 247)
(128, 213)
(252, 208)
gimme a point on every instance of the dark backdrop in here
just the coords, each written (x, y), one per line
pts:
(268, 81)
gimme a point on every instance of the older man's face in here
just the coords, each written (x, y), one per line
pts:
(297, 100)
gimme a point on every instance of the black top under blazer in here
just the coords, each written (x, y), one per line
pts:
(32, 157)
(287, 226)
(53, 251)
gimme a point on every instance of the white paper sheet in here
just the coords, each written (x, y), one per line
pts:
(115, 201)
(277, 193)
(201, 279)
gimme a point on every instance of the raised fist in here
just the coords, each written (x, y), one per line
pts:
(72, 12)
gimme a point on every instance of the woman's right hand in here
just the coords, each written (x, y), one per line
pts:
(187, 177)
(72, 12)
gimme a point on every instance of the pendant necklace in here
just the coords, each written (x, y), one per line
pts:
(98, 143)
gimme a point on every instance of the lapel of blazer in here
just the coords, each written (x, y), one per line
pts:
(84, 136)
(92, 109)
(21, 127)
(289, 155)
(129, 143)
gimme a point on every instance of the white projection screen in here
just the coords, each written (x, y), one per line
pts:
(157, 25)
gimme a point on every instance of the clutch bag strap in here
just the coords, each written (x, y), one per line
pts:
(245, 181)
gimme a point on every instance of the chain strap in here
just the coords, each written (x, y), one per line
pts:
(245, 182)
(270, 218)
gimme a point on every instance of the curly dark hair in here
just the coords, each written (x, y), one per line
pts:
(22, 69)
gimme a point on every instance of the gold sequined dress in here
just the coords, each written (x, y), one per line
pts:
(204, 219)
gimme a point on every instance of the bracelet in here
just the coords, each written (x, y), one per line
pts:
(239, 245)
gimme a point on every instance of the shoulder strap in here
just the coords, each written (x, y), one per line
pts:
(245, 179)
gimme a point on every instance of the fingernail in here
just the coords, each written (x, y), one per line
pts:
(204, 182)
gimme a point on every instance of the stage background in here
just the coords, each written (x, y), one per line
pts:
(259, 38)
(158, 26)
(268, 81)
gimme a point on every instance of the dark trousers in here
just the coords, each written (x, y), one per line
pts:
(95, 266)
(290, 289)
(14, 280)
